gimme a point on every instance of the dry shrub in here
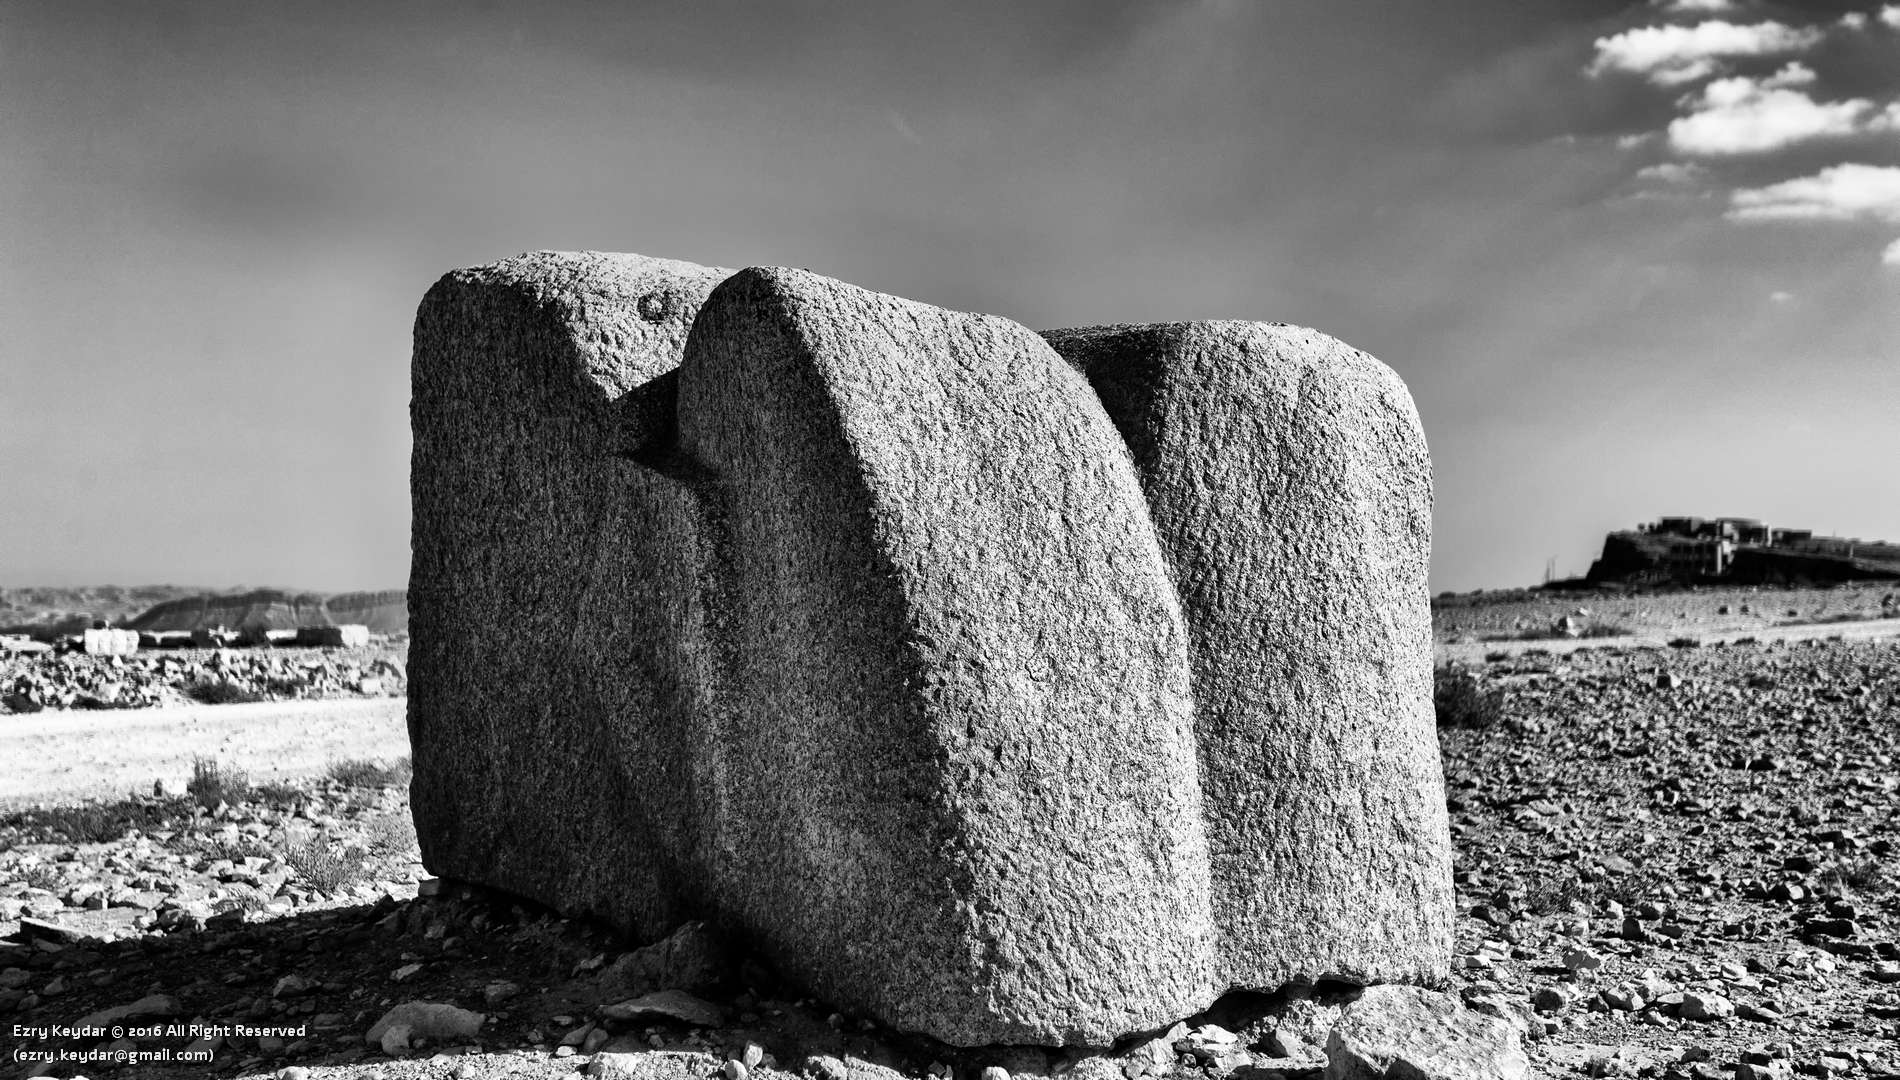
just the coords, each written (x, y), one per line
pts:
(1462, 702)
(363, 773)
(392, 835)
(326, 869)
(211, 784)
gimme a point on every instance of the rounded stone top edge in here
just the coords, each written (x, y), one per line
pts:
(576, 272)
(1196, 330)
(790, 285)
(1321, 354)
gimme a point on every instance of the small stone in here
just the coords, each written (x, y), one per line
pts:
(1392, 1031)
(499, 991)
(394, 1039)
(1624, 997)
(1582, 959)
(578, 1036)
(735, 1070)
(1705, 1005)
(826, 1067)
(426, 1020)
(405, 972)
(995, 1072)
(1552, 999)
(672, 1004)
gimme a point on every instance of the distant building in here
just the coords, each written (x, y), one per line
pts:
(349, 635)
(100, 641)
(1685, 550)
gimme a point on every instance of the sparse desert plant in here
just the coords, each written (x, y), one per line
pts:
(394, 834)
(325, 869)
(1462, 702)
(41, 876)
(1864, 874)
(364, 773)
(245, 899)
(220, 692)
(277, 794)
(90, 823)
(211, 784)
(1553, 896)
(1684, 643)
(284, 686)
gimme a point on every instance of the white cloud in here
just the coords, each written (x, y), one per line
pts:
(1675, 7)
(1781, 296)
(1891, 15)
(1851, 192)
(1891, 256)
(1793, 73)
(1854, 20)
(1673, 55)
(1671, 172)
(1755, 116)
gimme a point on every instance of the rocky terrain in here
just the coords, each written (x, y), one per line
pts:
(1518, 614)
(30, 682)
(1672, 862)
(1682, 860)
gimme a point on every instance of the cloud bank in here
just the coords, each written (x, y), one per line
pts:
(1674, 55)
(1848, 192)
(1741, 115)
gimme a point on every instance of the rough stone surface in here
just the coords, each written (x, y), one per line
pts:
(1290, 485)
(1408, 1033)
(931, 698)
(883, 643)
(537, 582)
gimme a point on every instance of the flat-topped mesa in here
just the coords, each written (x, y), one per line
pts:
(966, 684)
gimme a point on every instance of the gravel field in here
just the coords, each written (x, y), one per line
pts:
(1683, 859)
(1672, 863)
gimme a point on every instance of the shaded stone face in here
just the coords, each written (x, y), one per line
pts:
(1290, 486)
(1003, 697)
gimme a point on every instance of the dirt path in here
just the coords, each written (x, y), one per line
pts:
(68, 756)
(1863, 630)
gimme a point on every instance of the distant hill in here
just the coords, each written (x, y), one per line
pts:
(50, 611)
(280, 609)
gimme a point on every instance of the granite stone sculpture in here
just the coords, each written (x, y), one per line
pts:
(1007, 690)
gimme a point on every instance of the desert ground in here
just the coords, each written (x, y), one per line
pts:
(1673, 861)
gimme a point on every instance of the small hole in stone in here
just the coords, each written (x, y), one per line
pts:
(656, 306)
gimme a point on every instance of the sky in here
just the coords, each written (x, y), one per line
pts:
(1633, 259)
